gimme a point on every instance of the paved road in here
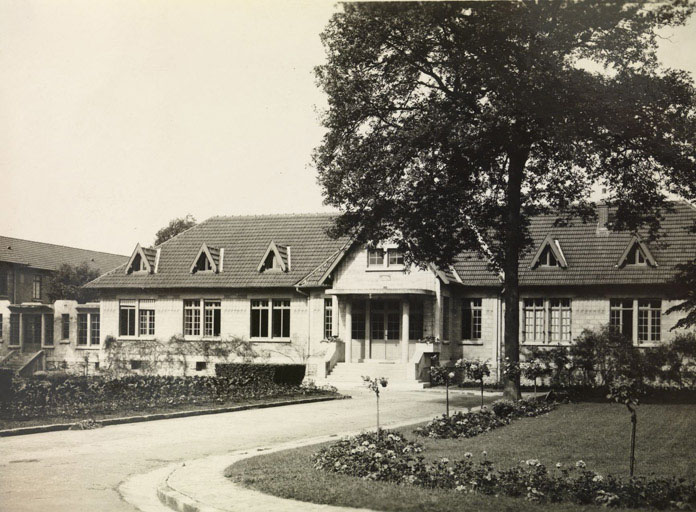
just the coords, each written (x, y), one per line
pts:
(76, 471)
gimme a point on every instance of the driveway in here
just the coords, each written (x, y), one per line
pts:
(81, 470)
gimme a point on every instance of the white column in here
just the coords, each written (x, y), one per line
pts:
(348, 353)
(21, 330)
(405, 311)
(43, 330)
(334, 318)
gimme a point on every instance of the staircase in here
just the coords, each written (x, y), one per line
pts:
(349, 375)
(22, 363)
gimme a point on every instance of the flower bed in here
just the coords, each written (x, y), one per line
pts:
(79, 396)
(390, 457)
(470, 424)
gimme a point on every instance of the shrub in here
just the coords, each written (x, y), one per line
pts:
(470, 424)
(243, 374)
(392, 458)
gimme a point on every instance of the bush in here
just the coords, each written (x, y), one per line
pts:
(470, 424)
(244, 373)
(80, 395)
(389, 457)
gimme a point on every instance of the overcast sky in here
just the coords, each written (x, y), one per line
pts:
(117, 116)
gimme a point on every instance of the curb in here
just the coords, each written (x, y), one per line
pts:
(38, 429)
(181, 502)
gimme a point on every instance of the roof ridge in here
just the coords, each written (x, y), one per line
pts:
(273, 215)
(62, 245)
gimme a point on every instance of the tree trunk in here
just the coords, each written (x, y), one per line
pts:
(511, 292)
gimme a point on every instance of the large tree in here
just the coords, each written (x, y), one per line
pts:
(449, 124)
(66, 283)
(174, 227)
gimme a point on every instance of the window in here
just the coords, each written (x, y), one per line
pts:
(636, 256)
(36, 288)
(395, 257)
(259, 318)
(48, 329)
(136, 364)
(82, 328)
(203, 263)
(126, 318)
(445, 318)
(94, 328)
(281, 319)
(14, 329)
(211, 317)
(138, 264)
(471, 319)
(201, 366)
(271, 262)
(270, 316)
(65, 326)
(415, 321)
(146, 318)
(649, 317)
(375, 257)
(328, 318)
(192, 317)
(534, 320)
(548, 259)
(3, 281)
(357, 327)
(560, 320)
(621, 316)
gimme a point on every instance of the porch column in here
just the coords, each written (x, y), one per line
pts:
(43, 330)
(368, 338)
(334, 317)
(405, 310)
(21, 330)
(348, 349)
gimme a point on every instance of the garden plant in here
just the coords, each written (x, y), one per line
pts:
(475, 370)
(373, 384)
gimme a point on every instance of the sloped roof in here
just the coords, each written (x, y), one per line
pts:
(592, 257)
(245, 239)
(50, 256)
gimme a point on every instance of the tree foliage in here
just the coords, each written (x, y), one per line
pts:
(66, 283)
(449, 124)
(174, 227)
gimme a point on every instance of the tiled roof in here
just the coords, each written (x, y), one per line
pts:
(245, 239)
(51, 256)
(592, 258)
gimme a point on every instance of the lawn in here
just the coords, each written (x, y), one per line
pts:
(593, 432)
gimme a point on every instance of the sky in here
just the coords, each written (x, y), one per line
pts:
(116, 117)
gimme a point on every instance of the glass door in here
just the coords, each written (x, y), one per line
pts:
(385, 329)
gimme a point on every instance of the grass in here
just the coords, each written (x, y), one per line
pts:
(144, 410)
(596, 433)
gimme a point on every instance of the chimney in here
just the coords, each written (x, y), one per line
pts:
(602, 218)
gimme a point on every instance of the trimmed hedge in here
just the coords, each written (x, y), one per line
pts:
(78, 396)
(245, 373)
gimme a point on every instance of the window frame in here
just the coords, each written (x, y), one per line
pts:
(276, 307)
(128, 305)
(65, 326)
(531, 304)
(328, 318)
(36, 284)
(378, 263)
(416, 320)
(472, 309)
(653, 309)
(565, 323)
(48, 339)
(15, 328)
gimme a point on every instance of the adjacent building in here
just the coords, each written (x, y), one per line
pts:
(35, 332)
(298, 295)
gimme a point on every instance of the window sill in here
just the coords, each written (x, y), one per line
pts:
(651, 344)
(471, 342)
(64, 342)
(201, 338)
(47, 346)
(87, 347)
(385, 269)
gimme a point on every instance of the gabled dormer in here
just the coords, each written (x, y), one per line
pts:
(208, 259)
(549, 254)
(275, 259)
(142, 261)
(636, 254)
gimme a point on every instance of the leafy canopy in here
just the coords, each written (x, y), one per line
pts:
(66, 283)
(430, 103)
(174, 227)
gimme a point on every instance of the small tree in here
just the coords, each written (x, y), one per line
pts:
(66, 283)
(174, 227)
(534, 369)
(475, 370)
(446, 376)
(373, 384)
(626, 391)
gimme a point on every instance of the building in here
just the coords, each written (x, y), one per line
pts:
(283, 284)
(35, 333)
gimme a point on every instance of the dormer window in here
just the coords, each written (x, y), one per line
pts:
(549, 254)
(142, 260)
(637, 254)
(208, 259)
(275, 259)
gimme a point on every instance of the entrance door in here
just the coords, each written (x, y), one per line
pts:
(385, 327)
(31, 325)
